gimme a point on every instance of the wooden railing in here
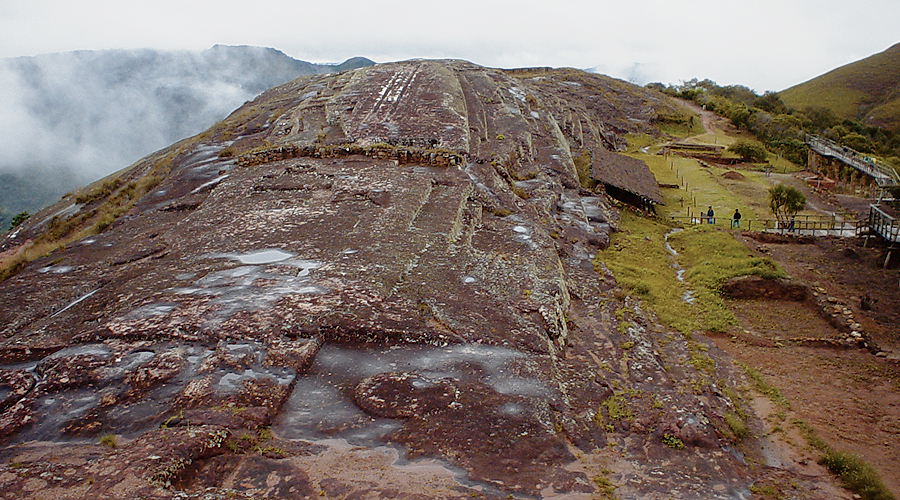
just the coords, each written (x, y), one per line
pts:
(878, 222)
(883, 224)
(808, 225)
(884, 175)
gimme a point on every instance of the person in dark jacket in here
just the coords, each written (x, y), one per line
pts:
(736, 219)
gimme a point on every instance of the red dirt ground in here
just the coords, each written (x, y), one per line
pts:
(849, 396)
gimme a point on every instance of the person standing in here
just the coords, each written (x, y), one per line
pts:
(736, 219)
(709, 215)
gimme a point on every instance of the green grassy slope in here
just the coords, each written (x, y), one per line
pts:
(867, 90)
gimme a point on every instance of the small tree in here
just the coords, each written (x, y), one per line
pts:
(785, 202)
(753, 152)
(18, 219)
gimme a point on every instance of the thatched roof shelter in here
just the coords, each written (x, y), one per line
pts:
(625, 178)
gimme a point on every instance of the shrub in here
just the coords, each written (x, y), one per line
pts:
(18, 219)
(858, 142)
(749, 151)
(672, 442)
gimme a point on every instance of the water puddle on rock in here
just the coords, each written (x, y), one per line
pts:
(150, 310)
(56, 409)
(209, 184)
(321, 409)
(522, 234)
(266, 276)
(321, 405)
(56, 269)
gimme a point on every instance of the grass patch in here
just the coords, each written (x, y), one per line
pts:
(679, 124)
(760, 385)
(780, 165)
(700, 188)
(856, 475)
(637, 141)
(643, 268)
(583, 168)
(699, 360)
(103, 203)
(711, 257)
(107, 440)
(99, 191)
(828, 92)
(737, 425)
(672, 442)
(640, 263)
(616, 409)
(606, 488)
(766, 491)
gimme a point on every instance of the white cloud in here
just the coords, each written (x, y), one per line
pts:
(764, 44)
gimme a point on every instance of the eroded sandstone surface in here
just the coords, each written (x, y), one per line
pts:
(365, 285)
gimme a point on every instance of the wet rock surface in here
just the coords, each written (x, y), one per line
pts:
(371, 284)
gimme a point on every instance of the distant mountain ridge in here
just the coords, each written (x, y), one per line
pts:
(73, 117)
(867, 90)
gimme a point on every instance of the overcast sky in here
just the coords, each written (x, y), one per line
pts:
(764, 44)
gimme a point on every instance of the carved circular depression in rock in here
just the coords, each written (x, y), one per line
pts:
(403, 395)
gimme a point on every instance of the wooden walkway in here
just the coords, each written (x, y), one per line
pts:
(877, 223)
(805, 225)
(882, 224)
(884, 175)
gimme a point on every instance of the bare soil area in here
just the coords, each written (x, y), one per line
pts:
(849, 396)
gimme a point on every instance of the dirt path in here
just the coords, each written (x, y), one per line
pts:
(711, 122)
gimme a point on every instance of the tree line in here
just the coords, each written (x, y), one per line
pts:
(783, 129)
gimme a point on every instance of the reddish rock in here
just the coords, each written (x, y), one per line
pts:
(404, 395)
(398, 255)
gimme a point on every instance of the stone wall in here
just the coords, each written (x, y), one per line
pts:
(426, 157)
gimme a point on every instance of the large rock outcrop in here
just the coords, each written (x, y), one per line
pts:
(397, 257)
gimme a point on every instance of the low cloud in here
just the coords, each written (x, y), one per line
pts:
(94, 113)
